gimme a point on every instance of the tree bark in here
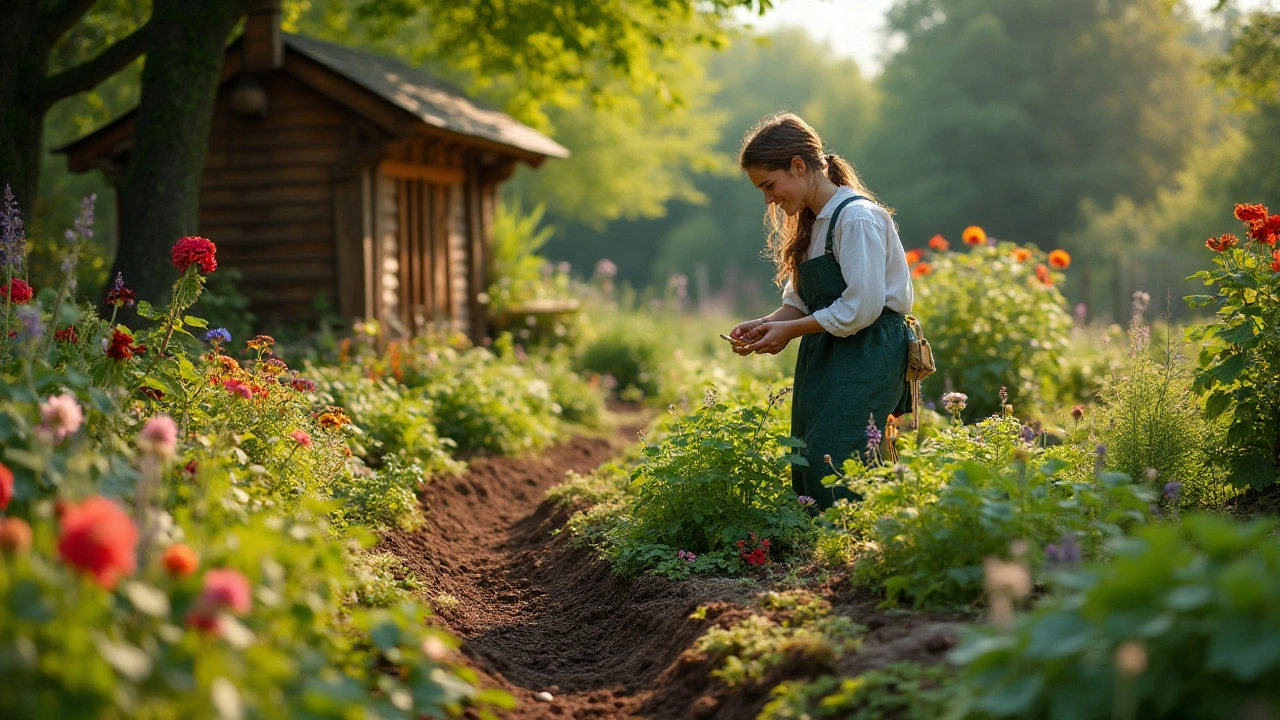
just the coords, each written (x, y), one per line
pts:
(159, 200)
(24, 62)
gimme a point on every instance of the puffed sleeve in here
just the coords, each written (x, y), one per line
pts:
(792, 298)
(862, 256)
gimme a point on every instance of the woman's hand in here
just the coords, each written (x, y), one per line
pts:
(768, 338)
(744, 335)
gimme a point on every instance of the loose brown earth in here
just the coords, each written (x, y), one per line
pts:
(537, 614)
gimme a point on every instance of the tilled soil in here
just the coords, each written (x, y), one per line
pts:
(537, 614)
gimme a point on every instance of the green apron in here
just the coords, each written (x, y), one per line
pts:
(842, 381)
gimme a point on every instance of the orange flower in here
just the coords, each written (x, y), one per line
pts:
(180, 560)
(914, 256)
(15, 536)
(922, 269)
(938, 243)
(1043, 275)
(1060, 259)
(334, 419)
(1021, 254)
(974, 235)
(1222, 244)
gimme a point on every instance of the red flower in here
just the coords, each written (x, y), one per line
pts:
(1042, 274)
(100, 539)
(15, 536)
(6, 486)
(121, 346)
(1251, 213)
(974, 235)
(914, 256)
(151, 392)
(67, 334)
(1275, 261)
(195, 250)
(1060, 259)
(180, 560)
(1221, 244)
(191, 467)
(124, 297)
(17, 291)
(938, 243)
(1266, 230)
(223, 590)
(922, 269)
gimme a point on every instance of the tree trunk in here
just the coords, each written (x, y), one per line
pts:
(159, 201)
(24, 62)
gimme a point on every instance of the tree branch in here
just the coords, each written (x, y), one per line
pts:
(89, 73)
(59, 15)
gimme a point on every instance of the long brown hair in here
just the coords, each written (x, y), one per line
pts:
(771, 145)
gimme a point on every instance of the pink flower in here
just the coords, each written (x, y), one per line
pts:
(301, 437)
(159, 436)
(235, 387)
(62, 417)
(224, 590)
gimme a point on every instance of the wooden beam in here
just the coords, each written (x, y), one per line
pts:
(431, 173)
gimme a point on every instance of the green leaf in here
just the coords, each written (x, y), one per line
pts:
(145, 310)
(147, 599)
(1242, 650)
(196, 322)
(789, 441)
(1057, 635)
(385, 636)
(128, 660)
(1014, 697)
(1217, 403)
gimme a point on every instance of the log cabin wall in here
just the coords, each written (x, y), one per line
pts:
(268, 199)
(425, 237)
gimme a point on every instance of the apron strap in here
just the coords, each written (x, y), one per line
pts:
(831, 226)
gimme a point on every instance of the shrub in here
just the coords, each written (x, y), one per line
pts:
(927, 524)
(994, 319)
(1180, 624)
(1240, 357)
(631, 351)
(1153, 426)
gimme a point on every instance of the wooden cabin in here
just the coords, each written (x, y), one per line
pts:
(340, 174)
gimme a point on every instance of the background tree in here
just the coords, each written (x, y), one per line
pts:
(1009, 113)
(93, 40)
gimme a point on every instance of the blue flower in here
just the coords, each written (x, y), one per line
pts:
(218, 335)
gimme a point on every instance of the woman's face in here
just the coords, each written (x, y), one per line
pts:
(789, 189)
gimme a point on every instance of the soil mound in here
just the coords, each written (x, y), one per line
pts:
(537, 614)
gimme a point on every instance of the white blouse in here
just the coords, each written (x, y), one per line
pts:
(872, 260)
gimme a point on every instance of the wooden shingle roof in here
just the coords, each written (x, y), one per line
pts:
(428, 98)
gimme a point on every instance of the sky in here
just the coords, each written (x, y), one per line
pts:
(854, 27)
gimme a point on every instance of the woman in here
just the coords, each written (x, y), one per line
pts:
(846, 288)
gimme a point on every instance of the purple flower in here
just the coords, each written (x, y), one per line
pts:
(806, 501)
(1065, 552)
(688, 557)
(1028, 434)
(13, 239)
(32, 324)
(606, 269)
(1171, 490)
(874, 436)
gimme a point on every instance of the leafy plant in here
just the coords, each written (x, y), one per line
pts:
(1240, 351)
(717, 476)
(1179, 624)
(902, 690)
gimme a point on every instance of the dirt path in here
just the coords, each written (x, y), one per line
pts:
(539, 615)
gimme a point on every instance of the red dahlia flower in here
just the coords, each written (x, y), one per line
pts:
(195, 251)
(99, 538)
(67, 334)
(938, 243)
(1275, 261)
(17, 291)
(914, 256)
(1251, 213)
(121, 347)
